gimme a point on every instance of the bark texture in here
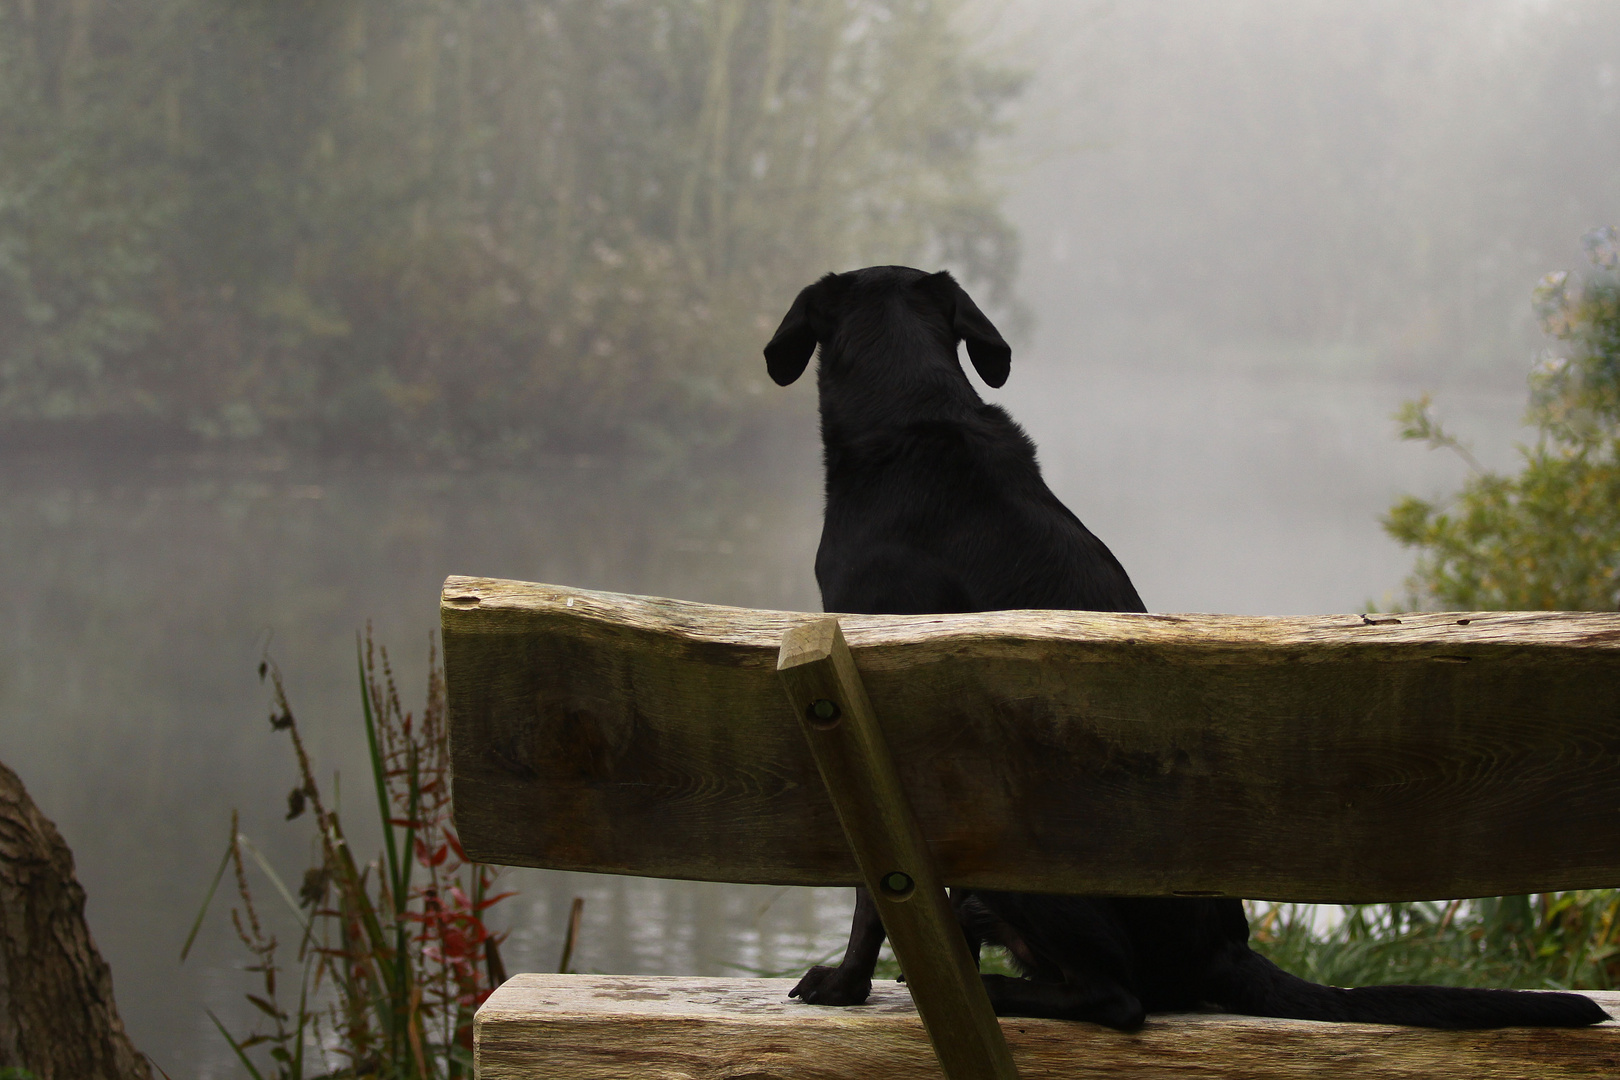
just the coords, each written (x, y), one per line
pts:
(57, 1017)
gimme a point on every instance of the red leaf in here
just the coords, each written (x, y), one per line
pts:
(490, 901)
(455, 942)
(433, 857)
(265, 1007)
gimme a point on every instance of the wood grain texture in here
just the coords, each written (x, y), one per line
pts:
(847, 743)
(1323, 758)
(595, 1027)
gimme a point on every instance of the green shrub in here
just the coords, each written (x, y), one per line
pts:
(1546, 538)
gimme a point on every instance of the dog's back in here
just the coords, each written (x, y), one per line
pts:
(935, 501)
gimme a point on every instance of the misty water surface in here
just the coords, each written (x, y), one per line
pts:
(140, 599)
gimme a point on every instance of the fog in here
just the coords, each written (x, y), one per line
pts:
(1248, 232)
(1251, 230)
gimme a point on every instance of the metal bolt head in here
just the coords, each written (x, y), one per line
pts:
(824, 713)
(897, 884)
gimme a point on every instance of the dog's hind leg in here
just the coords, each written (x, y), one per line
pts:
(969, 920)
(1096, 999)
(851, 981)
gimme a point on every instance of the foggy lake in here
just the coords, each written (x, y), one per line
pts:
(1249, 233)
(140, 601)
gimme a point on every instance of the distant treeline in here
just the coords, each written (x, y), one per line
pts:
(462, 227)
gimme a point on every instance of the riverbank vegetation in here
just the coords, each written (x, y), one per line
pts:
(455, 228)
(393, 956)
(1546, 538)
(1551, 941)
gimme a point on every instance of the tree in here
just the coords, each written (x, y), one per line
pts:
(57, 1017)
(465, 225)
(1549, 537)
(81, 210)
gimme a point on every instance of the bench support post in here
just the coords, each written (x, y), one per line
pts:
(819, 674)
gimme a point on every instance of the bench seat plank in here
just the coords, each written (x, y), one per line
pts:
(593, 1027)
(1329, 758)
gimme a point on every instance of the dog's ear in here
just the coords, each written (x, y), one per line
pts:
(991, 356)
(795, 341)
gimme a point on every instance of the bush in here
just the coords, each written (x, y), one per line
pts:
(1549, 537)
(1546, 538)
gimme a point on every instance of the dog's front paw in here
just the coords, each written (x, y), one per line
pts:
(832, 986)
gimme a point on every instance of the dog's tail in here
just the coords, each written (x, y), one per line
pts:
(1246, 982)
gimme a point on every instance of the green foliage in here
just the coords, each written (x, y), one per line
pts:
(1551, 941)
(1546, 538)
(1549, 537)
(463, 225)
(80, 216)
(394, 957)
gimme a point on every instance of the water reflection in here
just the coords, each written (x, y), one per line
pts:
(674, 927)
(138, 599)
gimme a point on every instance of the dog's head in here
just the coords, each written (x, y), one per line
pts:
(838, 303)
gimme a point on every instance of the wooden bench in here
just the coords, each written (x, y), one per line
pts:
(1336, 758)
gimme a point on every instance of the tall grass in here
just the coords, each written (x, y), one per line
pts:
(1567, 940)
(393, 956)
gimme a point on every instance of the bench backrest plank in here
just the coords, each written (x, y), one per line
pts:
(1323, 758)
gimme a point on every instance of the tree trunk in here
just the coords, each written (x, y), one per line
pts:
(57, 1017)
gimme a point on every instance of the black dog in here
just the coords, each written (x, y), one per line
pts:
(935, 504)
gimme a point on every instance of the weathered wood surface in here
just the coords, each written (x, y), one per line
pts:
(1326, 758)
(589, 1027)
(825, 692)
